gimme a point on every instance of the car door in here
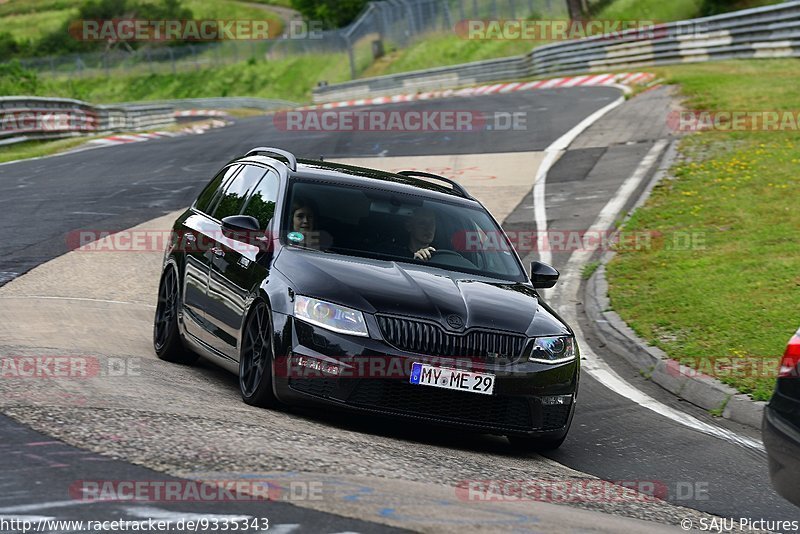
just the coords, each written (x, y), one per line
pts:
(234, 261)
(195, 241)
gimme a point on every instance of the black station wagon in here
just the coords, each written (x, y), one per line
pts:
(392, 294)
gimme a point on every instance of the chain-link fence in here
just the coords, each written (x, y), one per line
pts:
(382, 26)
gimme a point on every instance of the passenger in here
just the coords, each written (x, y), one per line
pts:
(304, 221)
(304, 215)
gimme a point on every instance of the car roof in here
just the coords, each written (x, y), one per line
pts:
(367, 177)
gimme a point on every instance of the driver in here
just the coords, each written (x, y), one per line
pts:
(421, 228)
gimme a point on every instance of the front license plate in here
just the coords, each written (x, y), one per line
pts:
(443, 377)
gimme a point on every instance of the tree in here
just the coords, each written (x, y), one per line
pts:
(332, 13)
(576, 9)
(65, 41)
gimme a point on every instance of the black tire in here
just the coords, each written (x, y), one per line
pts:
(167, 340)
(255, 360)
(526, 444)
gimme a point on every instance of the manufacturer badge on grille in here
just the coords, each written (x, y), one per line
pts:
(455, 321)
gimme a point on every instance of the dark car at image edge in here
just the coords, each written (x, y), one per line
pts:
(242, 289)
(781, 425)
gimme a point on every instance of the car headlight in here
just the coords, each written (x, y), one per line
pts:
(556, 349)
(330, 316)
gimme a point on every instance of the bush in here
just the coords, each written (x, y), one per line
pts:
(16, 80)
(8, 46)
(332, 13)
(62, 40)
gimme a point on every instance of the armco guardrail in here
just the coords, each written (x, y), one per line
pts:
(26, 117)
(232, 102)
(771, 31)
(766, 32)
(427, 80)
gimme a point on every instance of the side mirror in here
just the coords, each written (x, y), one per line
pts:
(242, 228)
(543, 276)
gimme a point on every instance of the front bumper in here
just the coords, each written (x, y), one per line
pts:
(515, 408)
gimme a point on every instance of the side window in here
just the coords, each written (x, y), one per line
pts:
(213, 189)
(261, 204)
(233, 199)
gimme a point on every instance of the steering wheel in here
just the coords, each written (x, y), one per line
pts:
(453, 259)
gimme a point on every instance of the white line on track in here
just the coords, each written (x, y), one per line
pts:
(7, 276)
(22, 508)
(552, 153)
(80, 299)
(567, 297)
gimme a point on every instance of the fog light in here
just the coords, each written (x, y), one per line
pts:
(553, 400)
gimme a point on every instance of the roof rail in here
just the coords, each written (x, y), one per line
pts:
(457, 187)
(272, 152)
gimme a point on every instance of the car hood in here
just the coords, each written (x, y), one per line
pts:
(411, 290)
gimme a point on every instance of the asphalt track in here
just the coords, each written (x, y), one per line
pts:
(611, 438)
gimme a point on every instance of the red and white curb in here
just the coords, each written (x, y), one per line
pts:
(113, 140)
(593, 80)
(200, 113)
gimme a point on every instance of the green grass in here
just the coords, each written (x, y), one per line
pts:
(443, 50)
(282, 3)
(35, 149)
(290, 79)
(32, 25)
(450, 49)
(31, 19)
(17, 7)
(651, 10)
(736, 293)
(589, 269)
(227, 10)
(669, 10)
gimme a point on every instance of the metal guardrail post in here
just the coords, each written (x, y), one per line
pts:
(350, 56)
(172, 59)
(412, 27)
(447, 21)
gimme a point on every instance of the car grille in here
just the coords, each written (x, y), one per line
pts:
(431, 340)
(555, 417)
(401, 397)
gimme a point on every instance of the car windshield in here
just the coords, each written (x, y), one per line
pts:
(366, 222)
